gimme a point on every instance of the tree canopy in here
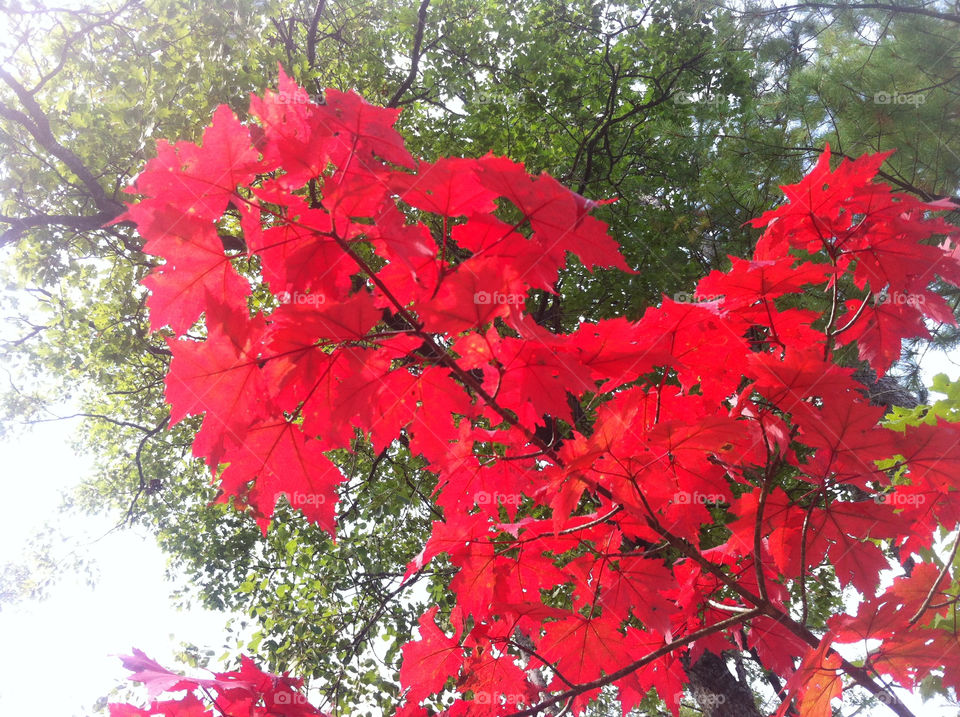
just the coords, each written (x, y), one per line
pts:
(690, 114)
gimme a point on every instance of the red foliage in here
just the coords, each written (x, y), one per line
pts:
(249, 692)
(728, 411)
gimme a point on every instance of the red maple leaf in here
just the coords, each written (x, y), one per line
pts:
(429, 661)
(879, 331)
(690, 471)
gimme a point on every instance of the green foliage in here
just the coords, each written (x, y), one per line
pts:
(947, 409)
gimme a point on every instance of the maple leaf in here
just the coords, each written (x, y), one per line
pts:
(846, 432)
(470, 297)
(627, 587)
(817, 682)
(557, 215)
(202, 180)
(300, 259)
(698, 341)
(309, 323)
(615, 351)
(842, 531)
(449, 187)
(429, 661)
(236, 692)
(749, 281)
(820, 208)
(932, 454)
(893, 255)
(155, 677)
(362, 129)
(911, 655)
(493, 680)
(582, 648)
(801, 374)
(279, 460)
(879, 331)
(884, 615)
(220, 377)
(775, 644)
(196, 266)
(781, 527)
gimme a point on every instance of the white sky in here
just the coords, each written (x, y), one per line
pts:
(56, 655)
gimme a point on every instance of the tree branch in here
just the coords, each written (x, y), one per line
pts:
(414, 55)
(634, 666)
(36, 123)
(80, 223)
(312, 33)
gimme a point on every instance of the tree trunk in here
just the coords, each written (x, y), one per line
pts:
(717, 691)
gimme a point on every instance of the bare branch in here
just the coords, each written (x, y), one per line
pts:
(312, 33)
(414, 55)
(18, 225)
